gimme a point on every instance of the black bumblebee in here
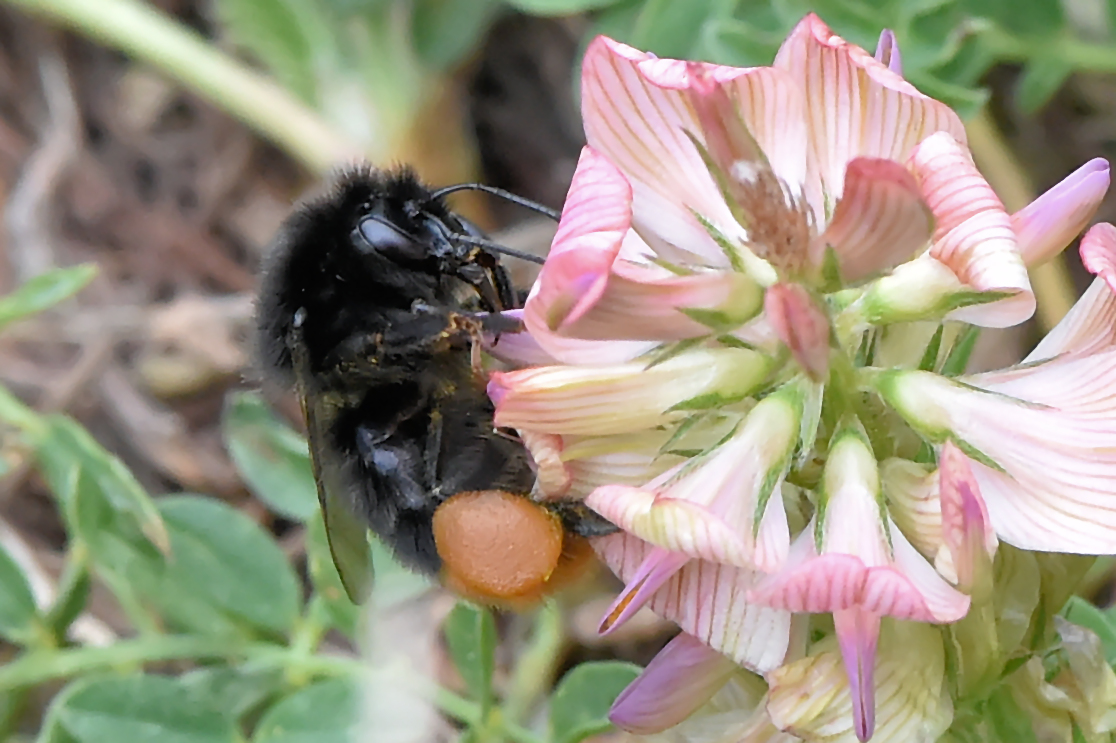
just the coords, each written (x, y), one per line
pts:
(373, 299)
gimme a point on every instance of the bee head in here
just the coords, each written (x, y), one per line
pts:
(505, 550)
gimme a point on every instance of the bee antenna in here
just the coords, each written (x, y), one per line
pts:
(505, 195)
(497, 248)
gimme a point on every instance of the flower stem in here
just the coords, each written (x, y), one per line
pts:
(535, 667)
(140, 30)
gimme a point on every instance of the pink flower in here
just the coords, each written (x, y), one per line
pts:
(710, 364)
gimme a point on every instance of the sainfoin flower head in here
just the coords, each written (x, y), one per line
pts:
(716, 359)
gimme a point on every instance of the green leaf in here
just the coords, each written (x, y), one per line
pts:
(44, 291)
(272, 457)
(670, 28)
(1036, 19)
(326, 712)
(1041, 79)
(18, 613)
(958, 357)
(735, 42)
(220, 555)
(65, 444)
(580, 704)
(559, 7)
(1010, 722)
(234, 691)
(445, 31)
(274, 32)
(1082, 613)
(138, 709)
(471, 636)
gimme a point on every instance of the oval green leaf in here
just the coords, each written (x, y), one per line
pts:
(272, 457)
(224, 557)
(471, 636)
(18, 612)
(139, 709)
(326, 712)
(579, 707)
(45, 291)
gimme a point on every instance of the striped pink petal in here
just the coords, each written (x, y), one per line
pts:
(913, 503)
(552, 475)
(632, 459)
(708, 601)
(966, 529)
(709, 511)
(972, 235)
(645, 302)
(1046, 226)
(881, 219)
(856, 106)
(595, 221)
(801, 325)
(861, 561)
(622, 398)
(682, 677)
(637, 112)
(858, 632)
(1098, 252)
(658, 566)
(1049, 429)
(1090, 325)
(675, 524)
(907, 588)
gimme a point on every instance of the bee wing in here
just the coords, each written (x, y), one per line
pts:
(346, 533)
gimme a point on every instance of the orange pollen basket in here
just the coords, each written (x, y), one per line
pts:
(505, 550)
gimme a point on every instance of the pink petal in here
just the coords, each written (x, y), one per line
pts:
(637, 112)
(1088, 328)
(880, 221)
(856, 106)
(643, 302)
(801, 325)
(913, 503)
(887, 51)
(966, 528)
(858, 632)
(656, 569)
(835, 582)
(707, 600)
(674, 524)
(1098, 252)
(591, 234)
(622, 398)
(595, 218)
(551, 473)
(682, 677)
(1046, 226)
(1052, 430)
(973, 235)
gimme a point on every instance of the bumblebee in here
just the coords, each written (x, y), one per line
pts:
(372, 302)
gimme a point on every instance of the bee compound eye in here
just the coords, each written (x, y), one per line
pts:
(381, 236)
(495, 545)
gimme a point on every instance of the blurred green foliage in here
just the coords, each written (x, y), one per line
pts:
(947, 45)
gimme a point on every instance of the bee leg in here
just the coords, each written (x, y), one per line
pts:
(582, 520)
(434, 451)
